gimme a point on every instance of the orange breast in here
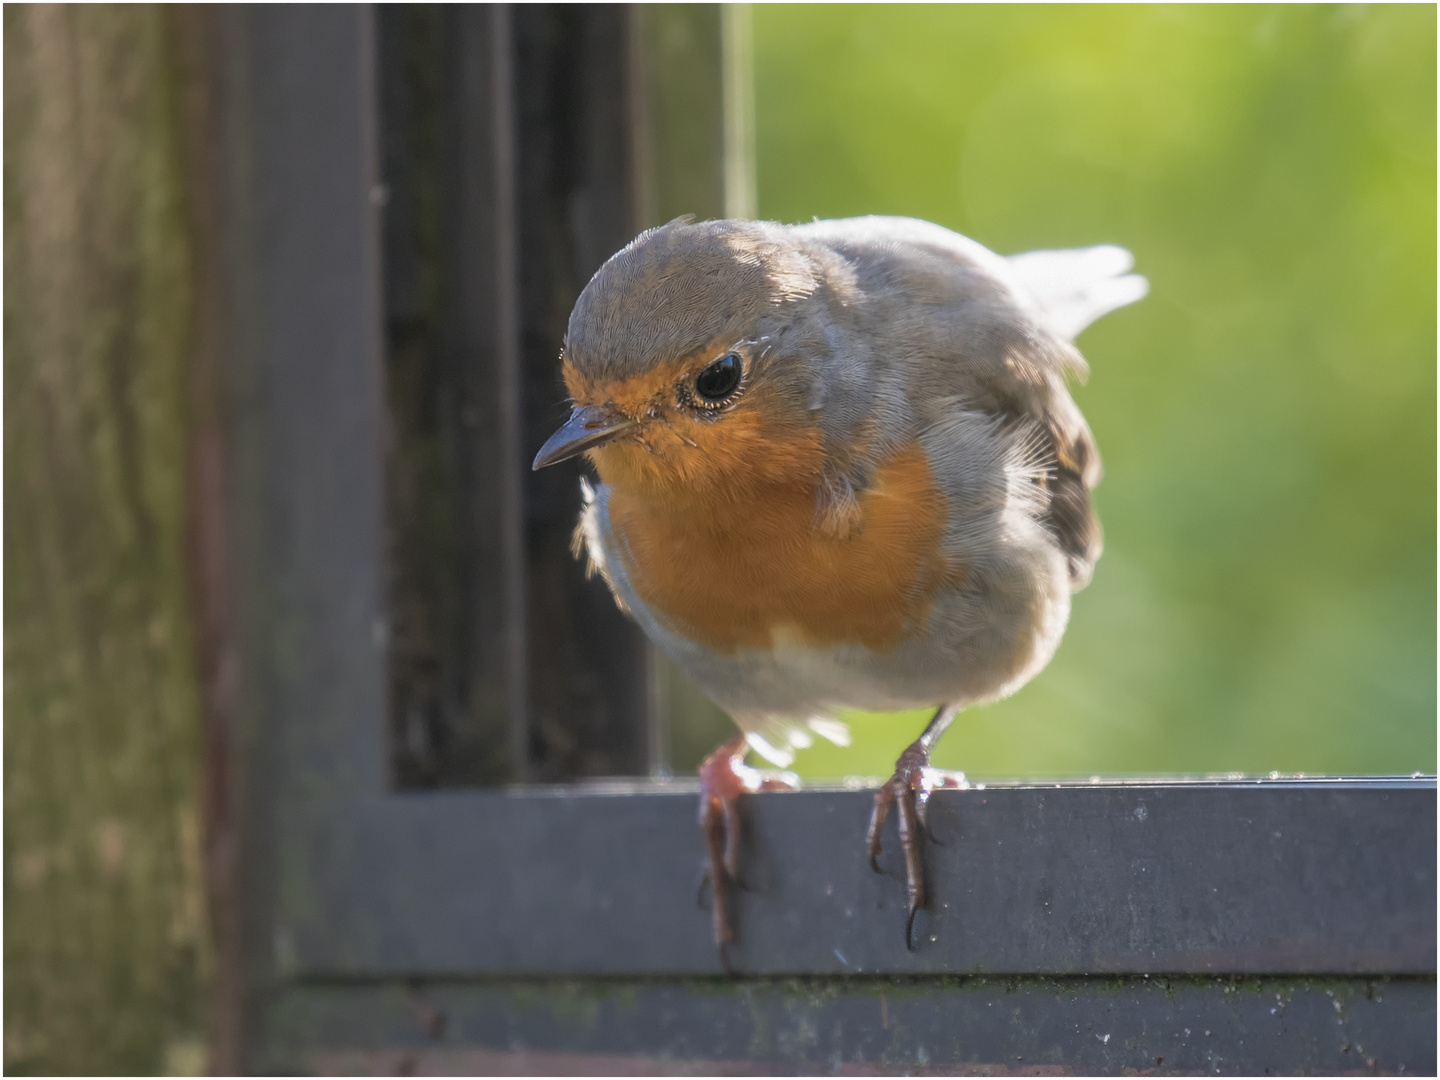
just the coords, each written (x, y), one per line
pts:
(756, 572)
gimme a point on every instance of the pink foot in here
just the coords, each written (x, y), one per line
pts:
(724, 777)
(909, 790)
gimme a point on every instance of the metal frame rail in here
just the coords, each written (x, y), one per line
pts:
(1148, 926)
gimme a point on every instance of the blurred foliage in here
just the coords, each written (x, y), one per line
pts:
(1267, 416)
(105, 952)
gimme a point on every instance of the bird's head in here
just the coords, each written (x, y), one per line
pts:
(680, 360)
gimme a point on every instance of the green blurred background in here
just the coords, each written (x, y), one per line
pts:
(1267, 415)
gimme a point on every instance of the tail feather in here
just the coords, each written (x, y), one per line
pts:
(1073, 288)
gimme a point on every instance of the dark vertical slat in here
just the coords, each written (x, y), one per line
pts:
(422, 403)
(457, 580)
(506, 664)
(588, 675)
(511, 428)
(473, 349)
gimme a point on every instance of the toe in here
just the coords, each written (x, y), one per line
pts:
(883, 798)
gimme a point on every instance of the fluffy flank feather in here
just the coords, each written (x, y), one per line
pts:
(776, 738)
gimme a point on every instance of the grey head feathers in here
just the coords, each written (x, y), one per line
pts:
(680, 287)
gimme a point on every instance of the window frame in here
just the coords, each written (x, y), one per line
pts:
(345, 878)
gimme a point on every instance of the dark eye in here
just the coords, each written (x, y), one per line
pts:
(719, 380)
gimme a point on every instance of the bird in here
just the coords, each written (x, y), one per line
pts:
(838, 466)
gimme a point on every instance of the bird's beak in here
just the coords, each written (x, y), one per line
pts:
(589, 426)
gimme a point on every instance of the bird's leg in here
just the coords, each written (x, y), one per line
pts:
(724, 777)
(909, 790)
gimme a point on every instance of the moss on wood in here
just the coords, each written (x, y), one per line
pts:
(103, 912)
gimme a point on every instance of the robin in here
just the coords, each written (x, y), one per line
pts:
(839, 468)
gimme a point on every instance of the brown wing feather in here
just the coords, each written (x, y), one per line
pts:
(1070, 517)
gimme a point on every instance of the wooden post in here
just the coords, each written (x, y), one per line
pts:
(104, 917)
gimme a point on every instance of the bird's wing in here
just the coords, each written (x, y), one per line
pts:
(994, 336)
(1075, 287)
(1071, 289)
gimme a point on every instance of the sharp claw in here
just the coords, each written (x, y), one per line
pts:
(875, 866)
(909, 929)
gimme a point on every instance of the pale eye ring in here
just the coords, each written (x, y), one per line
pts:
(719, 379)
